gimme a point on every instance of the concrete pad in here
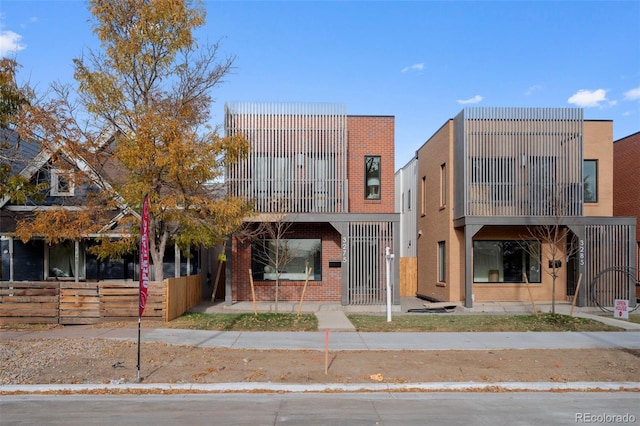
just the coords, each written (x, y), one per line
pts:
(333, 320)
(198, 338)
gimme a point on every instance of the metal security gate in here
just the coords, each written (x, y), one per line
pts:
(609, 273)
(367, 271)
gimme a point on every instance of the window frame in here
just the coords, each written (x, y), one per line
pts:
(528, 265)
(370, 176)
(423, 195)
(594, 199)
(259, 261)
(55, 175)
(442, 261)
(443, 185)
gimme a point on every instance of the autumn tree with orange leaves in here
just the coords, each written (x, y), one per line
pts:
(145, 101)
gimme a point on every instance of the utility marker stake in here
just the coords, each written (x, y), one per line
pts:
(326, 351)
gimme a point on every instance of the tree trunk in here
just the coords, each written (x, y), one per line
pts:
(553, 291)
(158, 273)
(277, 282)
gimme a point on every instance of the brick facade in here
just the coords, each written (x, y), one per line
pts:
(370, 135)
(442, 223)
(626, 177)
(366, 135)
(328, 289)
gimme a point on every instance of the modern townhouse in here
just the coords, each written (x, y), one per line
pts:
(329, 177)
(489, 179)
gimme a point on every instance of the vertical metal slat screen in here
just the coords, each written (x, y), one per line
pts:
(367, 269)
(522, 161)
(297, 158)
(607, 264)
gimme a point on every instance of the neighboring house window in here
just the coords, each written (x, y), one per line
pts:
(372, 177)
(423, 195)
(506, 261)
(443, 185)
(590, 181)
(62, 260)
(409, 200)
(293, 254)
(62, 184)
(442, 262)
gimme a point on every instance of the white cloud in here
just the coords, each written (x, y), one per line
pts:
(532, 89)
(10, 43)
(632, 95)
(476, 99)
(414, 67)
(588, 98)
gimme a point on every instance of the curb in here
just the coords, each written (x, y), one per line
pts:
(327, 387)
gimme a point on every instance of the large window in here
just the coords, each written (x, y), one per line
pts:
(590, 181)
(506, 261)
(62, 260)
(372, 177)
(291, 255)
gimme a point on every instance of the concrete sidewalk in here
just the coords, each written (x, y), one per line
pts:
(348, 340)
(332, 316)
(335, 325)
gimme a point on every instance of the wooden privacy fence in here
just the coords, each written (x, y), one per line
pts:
(408, 276)
(62, 302)
(182, 294)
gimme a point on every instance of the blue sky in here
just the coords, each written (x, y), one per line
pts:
(420, 61)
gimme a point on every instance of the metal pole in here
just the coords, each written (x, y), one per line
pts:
(389, 257)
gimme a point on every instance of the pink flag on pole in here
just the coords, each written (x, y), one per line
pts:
(144, 254)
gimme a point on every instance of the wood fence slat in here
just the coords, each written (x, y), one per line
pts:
(69, 302)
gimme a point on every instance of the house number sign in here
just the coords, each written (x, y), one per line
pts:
(344, 250)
